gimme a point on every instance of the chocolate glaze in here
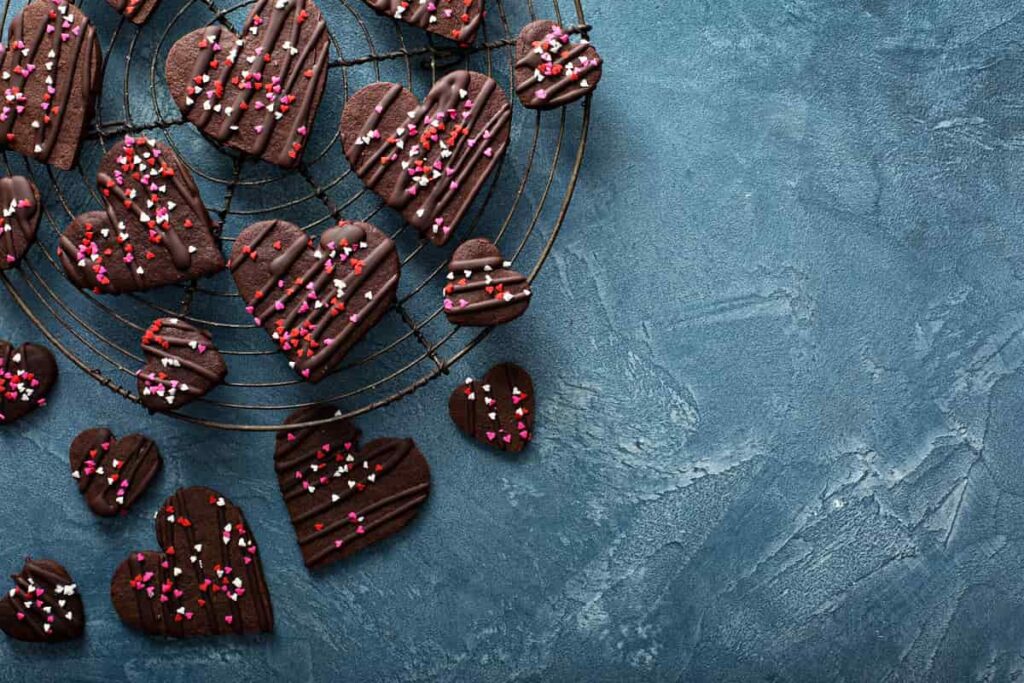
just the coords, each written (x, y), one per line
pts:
(449, 143)
(137, 11)
(342, 498)
(453, 19)
(44, 605)
(112, 473)
(27, 373)
(45, 125)
(19, 218)
(208, 580)
(207, 69)
(315, 301)
(550, 71)
(497, 410)
(182, 364)
(482, 288)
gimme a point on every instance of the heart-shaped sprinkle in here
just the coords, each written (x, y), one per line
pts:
(456, 20)
(112, 473)
(481, 289)
(44, 606)
(497, 410)
(27, 374)
(176, 372)
(551, 71)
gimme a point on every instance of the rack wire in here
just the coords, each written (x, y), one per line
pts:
(521, 209)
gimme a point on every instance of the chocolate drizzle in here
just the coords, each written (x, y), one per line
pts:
(207, 581)
(430, 159)
(550, 71)
(51, 75)
(259, 92)
(482, 288)
(342, 498)
(137, 11)
(182, 365)
(456, 20)
(44, 605)
(497, 410)
(112, 473)
(316, 302)
(27, 374)
(19, 218)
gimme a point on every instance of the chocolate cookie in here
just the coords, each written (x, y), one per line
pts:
(454, 19)
(27, 374)
(182, 364)
(430, 159)
(497, 410)
(19, 218)
(137, 11)
(207, 580)
(51, 71)
(44, 606)
(341, 497)
(155, 230)
(482, 288)
(550, 70)
(112, 473)
(257, 93)
(316, 299)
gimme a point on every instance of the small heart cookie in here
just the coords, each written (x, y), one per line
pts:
(497, 410)
(456, 20)
(182, 364)
(112, 473)
(19, 218)
(550, 70)
(482, 288)
(44, 606)
(27, 373)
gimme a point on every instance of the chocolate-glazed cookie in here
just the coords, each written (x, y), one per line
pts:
(206, 580)
(342, 497)
(497, 410)
(315, 299)
(155, 229)
(456, 20)
(482, 288)
(257, 92)
(112, 473)
(50, 75)
(27, 373)
(182, 364)
(428, 160)
(19, 218)
(137, 11)
(44, 606)
(550, 70)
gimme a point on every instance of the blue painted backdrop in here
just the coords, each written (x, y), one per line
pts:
(778, 352)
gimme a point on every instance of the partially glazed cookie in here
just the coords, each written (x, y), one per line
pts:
(27, 373)
(44, 605)
(496, 410)
(51, 71)
(182, 364)
(19, 218)
(137, 11)
(112, 473)
(456, 20)
(482, 288)
(551, 71)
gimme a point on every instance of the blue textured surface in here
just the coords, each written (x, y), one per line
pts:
(779, 374)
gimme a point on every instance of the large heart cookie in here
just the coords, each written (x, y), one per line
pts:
(482, 288)
(155, 230)
(44, 606)
(51, 71)
(137, 11)
(182, 364)
(206, 579)
(454, 19)
(27, 373)
(497, 410)
(341, 497)
(316, 299)
(550, 70)
(430, 159)
(257, 93)
(112, 473)
(19, 218)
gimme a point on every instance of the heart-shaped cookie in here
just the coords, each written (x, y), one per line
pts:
(207, 580)
(182, 364)
(341, 497)
(112, 473)
(550, 70)
(155, 230)
(316, 299)
(51, 71)
(19, 218)
(456, 20)
(44, 606)
(27, 374)
(482, 288)
(257, 93)
(430, 159)
(497, 410)
(137, 11)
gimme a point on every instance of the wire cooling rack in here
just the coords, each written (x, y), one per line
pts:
(521, 209)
